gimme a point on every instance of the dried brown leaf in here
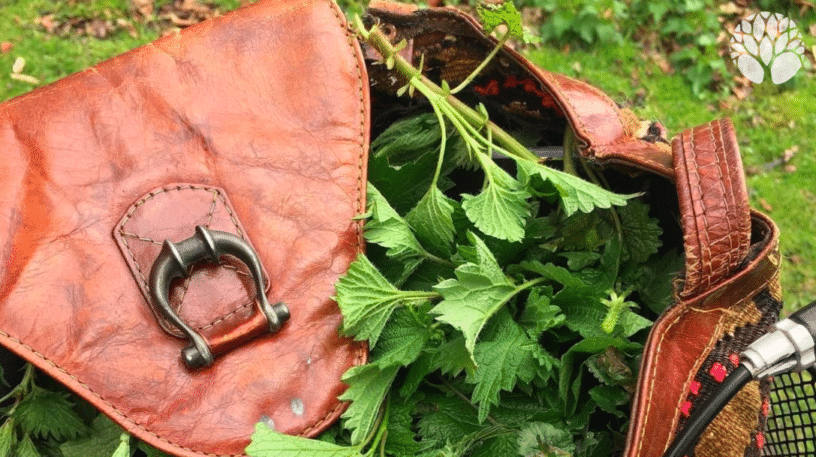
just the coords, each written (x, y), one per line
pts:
(143, 7)
(47, 22)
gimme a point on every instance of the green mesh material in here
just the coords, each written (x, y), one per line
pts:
(791, 430)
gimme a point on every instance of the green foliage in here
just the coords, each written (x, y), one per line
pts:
(493, 16)
(527, 297)
(479, 291)
(103, 440)
(268, 443)
(689, 32)
(45, 414)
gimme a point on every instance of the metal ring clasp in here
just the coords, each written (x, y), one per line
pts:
(174, 261)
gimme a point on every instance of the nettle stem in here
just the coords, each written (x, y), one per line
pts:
(439, 96)
(484, 63)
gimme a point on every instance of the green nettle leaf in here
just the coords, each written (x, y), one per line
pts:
(609, 398)
(452, 357)
(654, 280)
(567, 386)
(585, 231)
(641, 234)
(401, 439)
(415, 178)
(124, 446)
(367, 300)
(7, 438)
(506, 13)
(432, 219)
(578, 260)
(504, 444)
(631, 323)
(26, 448)
(389, 229)
(501, 208)
(501, 363)
(269, 443)
(449, 420)
(103, 440)
(576, 194)
(368, 385)
(555, 273)
(407, 139)
(150, 451)
(540, 439)
(539, 314)
(45, 414)
(402, 340)
(415, 374)
(478, 291)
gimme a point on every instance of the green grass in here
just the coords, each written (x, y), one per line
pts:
(770, 120)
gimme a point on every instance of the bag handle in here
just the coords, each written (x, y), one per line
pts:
(713, 202)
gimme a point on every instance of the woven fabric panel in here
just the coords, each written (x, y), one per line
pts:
(739, 429)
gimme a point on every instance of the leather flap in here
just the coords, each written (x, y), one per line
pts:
(268, 105)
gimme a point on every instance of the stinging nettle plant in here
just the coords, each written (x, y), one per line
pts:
(498, 321)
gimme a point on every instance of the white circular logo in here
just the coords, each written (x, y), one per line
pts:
(767, 41)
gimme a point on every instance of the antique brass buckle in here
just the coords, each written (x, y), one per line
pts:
(174, 261)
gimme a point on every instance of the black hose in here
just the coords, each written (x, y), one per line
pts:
(697, 423)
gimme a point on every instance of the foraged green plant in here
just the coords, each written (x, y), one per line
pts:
(498, 322)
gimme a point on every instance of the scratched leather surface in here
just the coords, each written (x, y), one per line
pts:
(731, 251)
(251, 103)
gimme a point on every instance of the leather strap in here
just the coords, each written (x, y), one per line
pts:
(721, 280)
(713, 204)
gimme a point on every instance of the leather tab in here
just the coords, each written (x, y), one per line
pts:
(213, 298)
(713, 204)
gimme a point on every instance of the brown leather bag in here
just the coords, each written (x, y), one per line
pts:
(257, 124)
(253, 124)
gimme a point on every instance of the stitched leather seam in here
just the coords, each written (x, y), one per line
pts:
(690, 238)
(652, 377)
(123, 233)
(107, 403)
(351, 41)
(578, 118)
(712, 341)
(186, 286)
(226, 316)
(140, 238)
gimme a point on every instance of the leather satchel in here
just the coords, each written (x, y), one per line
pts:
(253, 125)
(248, 135)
